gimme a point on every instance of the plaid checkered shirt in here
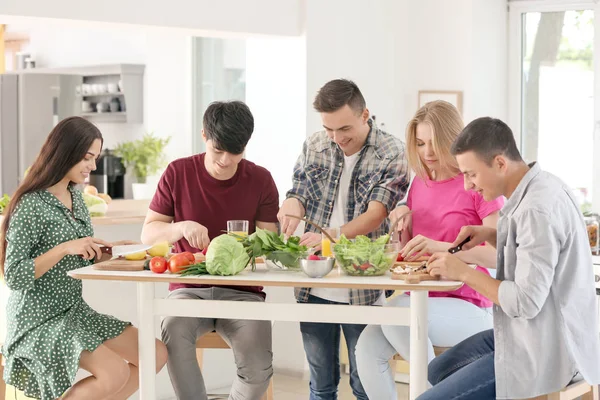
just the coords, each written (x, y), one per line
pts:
(381, 174)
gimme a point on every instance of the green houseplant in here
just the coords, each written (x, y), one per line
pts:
(146, 155)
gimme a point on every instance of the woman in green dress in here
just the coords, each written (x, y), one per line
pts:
(52, 331)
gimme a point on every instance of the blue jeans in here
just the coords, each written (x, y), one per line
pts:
(322, 347)
(464, 372)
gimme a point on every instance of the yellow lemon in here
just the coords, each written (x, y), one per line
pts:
(159, 250)
(140, 255)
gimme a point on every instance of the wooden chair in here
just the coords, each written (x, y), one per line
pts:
(214, 341)
(573, 391)
(394, 360)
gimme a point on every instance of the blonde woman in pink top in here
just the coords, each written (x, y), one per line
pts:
(440, 207)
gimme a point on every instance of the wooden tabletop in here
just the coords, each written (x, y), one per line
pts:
(264, 277)
(124, 212)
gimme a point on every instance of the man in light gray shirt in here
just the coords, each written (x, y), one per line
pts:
(545, 321)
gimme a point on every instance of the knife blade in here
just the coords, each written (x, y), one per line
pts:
(123, 250)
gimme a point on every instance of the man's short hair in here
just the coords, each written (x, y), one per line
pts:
(487, 137)
(336, 94)
(229, 124)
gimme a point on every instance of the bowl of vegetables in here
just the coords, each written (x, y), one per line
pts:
(284, 260)
(364, 256)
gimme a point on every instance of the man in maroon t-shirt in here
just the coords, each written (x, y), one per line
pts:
(196, 196)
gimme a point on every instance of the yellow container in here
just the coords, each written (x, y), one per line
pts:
(326, 247)
(326, 243)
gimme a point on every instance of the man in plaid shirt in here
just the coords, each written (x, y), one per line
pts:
(350, 175)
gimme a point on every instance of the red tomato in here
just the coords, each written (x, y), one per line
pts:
(365, 266)
(189, 256)
(158, 265)
(400, 258)
(178, 263)
(314, 257)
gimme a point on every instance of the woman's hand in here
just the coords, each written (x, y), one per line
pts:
(420, 246)
(88, 247)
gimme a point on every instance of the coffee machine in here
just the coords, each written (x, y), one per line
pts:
(109, 176)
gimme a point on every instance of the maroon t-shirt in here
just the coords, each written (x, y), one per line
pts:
(187, 192)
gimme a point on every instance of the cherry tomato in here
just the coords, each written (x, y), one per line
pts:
(400, 258)
(158, 265)
(178, 263)
(364, 266)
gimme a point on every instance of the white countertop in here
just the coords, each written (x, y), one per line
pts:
(265, 277)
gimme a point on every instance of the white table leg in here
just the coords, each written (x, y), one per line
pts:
(146, 340)
(418, 343)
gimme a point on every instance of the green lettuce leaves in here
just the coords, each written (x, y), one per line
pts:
(226, 256)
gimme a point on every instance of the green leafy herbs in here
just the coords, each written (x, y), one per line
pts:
(364, 256)
(195, 269)
(226, 256)
(4, 200)
(273, 247)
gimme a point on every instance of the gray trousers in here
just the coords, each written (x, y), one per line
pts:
(249, 340)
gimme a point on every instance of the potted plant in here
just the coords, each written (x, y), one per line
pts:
(145, 157)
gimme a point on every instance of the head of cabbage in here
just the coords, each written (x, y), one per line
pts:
(96, 206)
(226, 256)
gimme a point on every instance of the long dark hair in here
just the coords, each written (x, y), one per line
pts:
(66, 145)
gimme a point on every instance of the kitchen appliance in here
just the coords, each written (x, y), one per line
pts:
(31, 104)
(109, 176)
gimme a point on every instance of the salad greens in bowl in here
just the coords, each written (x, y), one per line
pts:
(284, 260)
(364, 256)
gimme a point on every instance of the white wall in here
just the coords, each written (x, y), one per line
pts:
(392, 49)
(273, 17)
(460, 46)
(276, 94)
(357, 40)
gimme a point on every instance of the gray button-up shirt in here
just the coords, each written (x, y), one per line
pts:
(545, 328)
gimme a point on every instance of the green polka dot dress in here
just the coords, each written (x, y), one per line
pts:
(49, 323)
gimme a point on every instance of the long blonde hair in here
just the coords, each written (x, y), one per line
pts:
(446, 123)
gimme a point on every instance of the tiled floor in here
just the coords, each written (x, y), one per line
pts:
(290, 388)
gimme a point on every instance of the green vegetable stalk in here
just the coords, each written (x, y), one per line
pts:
(195, 269)
(273, 247)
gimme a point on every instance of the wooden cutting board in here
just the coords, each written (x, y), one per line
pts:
(414, 277)
(120, 265)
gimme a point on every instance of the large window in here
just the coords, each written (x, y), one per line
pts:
(553, 98)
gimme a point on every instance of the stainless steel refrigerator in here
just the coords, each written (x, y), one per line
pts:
(31, 104)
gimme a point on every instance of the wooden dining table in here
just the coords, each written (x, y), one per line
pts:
(148, 307)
